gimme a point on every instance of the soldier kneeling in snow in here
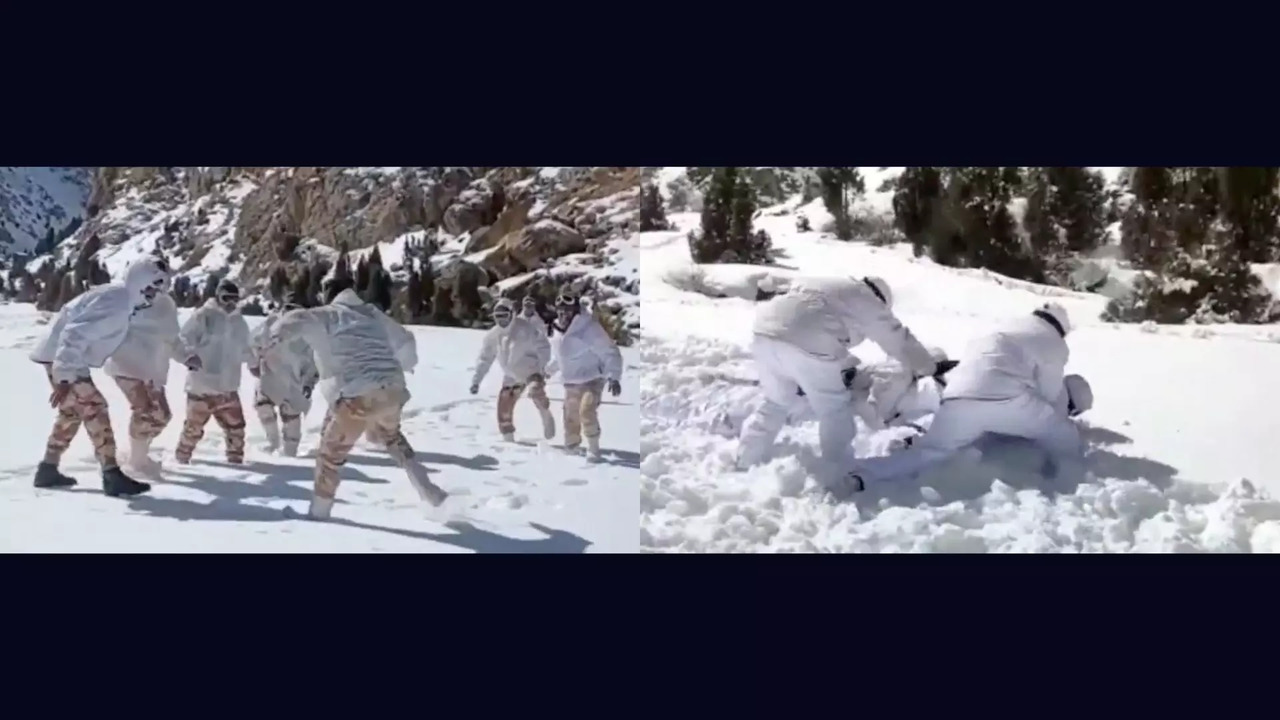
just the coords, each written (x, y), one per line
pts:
(523, 353)
(286, 377)
(355, 345)
(1012, 384)
(83, 335)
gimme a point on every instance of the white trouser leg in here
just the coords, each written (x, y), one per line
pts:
(957, 423)
(761, 428)
(759, 432)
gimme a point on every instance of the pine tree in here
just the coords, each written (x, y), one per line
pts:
(839, 186)
(375, 259)
(278, 283)
(68, 290)
(742, 210)
(442, 306)
(342, 269)
(379, 291)
(413, 291)
(210, 288)
(978, 199)
(362, 276)
(315, 282)
(302, 290)
(652, 214)
(917, 206)
(1251, 208)
(728, 209)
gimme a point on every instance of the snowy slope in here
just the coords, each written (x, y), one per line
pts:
(1184, 415)
(504, 498)
(33, 198)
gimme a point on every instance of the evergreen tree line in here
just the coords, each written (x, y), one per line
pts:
(1192, 231)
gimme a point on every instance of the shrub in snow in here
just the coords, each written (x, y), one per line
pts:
(1203, 291)
(802, 224)
(652, 216)
(726, 234)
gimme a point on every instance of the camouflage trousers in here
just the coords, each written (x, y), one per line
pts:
(582, 411)
(370, 434)
(84, 405)
(508, 396)
(150, 408)
(226, 410)
(291, 421)
(376, 413)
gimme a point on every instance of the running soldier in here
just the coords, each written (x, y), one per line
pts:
(355, 345)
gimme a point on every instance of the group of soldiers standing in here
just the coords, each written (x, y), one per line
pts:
(347, 348)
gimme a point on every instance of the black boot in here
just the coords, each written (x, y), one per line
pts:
(115, 484)
(48, 476)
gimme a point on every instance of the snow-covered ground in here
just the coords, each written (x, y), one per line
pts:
(1182, 438)
(527, 497)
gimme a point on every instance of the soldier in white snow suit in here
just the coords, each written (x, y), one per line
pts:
(217, 338)
(522, 350)
(1010, 382)
(588, 361)
(355, 347)
(894, 395)
(406, 348)
(529, 311)
(83, 335)
(802, 340)
(140, 366)
(287, 376)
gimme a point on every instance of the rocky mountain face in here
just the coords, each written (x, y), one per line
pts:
(504, 229)
(39, 205)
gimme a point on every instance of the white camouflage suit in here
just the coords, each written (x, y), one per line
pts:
(522, 352)
(801, 342)
(220, 339)
(361, 354)
(1010, 382)
(286, 377)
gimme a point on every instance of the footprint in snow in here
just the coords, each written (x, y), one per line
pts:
(574, 482)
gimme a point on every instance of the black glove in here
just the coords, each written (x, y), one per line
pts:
(847, 376)
(943, 368)
(615, 388)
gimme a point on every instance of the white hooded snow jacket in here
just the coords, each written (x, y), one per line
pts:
(826, 316)
(150, 345)
(521, 349)
(357, 348)
(221, 340)
(90, 328)
(285, 370)
(1028, 356)
(586, 352)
